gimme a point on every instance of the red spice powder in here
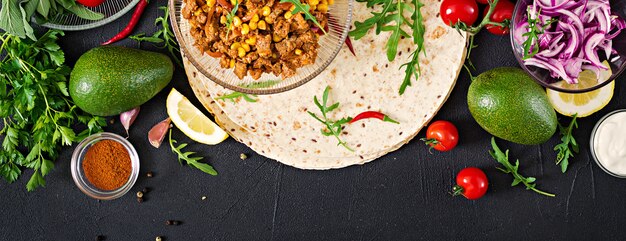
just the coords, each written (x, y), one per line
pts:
(107, 165)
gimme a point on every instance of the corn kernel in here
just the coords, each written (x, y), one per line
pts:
(277, 38)
(233, 2)
(232, 63)
(235, 46)
(313, 7)
(223, 19)
(298, 51)
(262, 25)
(292, 7)
(210, 3)
(288, 15)
(237, 21)
(314, 2)
(197, 12)
(269, 20)
(245, 47)
(255, 18)
(253, 25)
(251, 41)
(274, 55)
(245, 29)
(324, 2)
(331, 2)
(266, 11)
(241, 52)
(322, 7)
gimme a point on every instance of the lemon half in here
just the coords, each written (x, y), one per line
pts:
(191, 121)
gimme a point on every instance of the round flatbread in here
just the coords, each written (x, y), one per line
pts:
(280, 123)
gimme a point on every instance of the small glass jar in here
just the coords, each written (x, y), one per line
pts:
(592, 144)
(79, 175)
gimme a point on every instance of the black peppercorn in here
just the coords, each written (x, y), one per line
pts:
(140, 199)
(145, 190)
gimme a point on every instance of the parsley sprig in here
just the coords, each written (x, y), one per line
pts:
(188, 158)
(333, 128)
(391, 19)
(503, 158)
(304, 9)
(230, 16)
(37, 114)
(567, 141)
(164, 36)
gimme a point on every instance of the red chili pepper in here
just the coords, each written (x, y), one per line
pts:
(131, 24)
(332, 20)
(373, 114)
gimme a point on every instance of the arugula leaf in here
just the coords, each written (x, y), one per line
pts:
(503, 158)
(164, 36)
(230, 16)
(248, 97)
(535, 28)
(186, 156)
(567, 141)
(333, 128)
(305, 9)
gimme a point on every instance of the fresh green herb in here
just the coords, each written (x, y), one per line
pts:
(391, 19)
(230, 16)
(164, 36)
(191, 161)
(332, 127)
(535, 28)
(37, 113)
(304, 9)
(15, 15)
(503, 158)
(248, 97)
(567, 141)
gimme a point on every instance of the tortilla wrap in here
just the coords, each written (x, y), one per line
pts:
(279, 127)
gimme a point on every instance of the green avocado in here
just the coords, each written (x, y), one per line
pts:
(507, 103)
(109, 80)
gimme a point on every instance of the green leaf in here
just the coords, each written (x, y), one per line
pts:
(31, 6)
(305, 10)
(84, 13)
(206, 168)
(36, 180)
(63, 88)
(43, 7)
(186, 156)
(67, 135)
(46, 167)
(34, 153)
(11, 18)
(10, 139)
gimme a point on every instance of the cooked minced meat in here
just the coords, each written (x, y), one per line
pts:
(265, 37)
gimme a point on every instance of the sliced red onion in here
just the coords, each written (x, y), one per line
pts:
(127, 118)
(157, 133)
(585, 28)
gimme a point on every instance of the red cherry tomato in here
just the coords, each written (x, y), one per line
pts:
(442, 135)
(504, 10)
(453, 11)
(90, 3)
(472, 183)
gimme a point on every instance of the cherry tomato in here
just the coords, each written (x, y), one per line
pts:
(90, 3)
(472, 183)
(442, 135)
(504, 10)
(453, 11)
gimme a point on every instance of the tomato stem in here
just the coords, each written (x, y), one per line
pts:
(457, 190)
(432, 142)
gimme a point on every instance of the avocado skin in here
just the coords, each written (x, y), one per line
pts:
(507, 103)
(110, 80)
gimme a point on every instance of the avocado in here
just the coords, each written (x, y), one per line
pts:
(507, 103)
(109, 80)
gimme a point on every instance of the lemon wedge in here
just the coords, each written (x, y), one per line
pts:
(191, 121)
(586, 103)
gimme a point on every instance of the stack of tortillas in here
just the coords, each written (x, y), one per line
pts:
(278, 126)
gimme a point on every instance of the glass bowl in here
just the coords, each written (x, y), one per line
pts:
(112, 10)
(330, 45)
(592, 144)
(79, 176)
(543, 77)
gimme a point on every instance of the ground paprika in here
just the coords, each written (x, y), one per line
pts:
(107, 165)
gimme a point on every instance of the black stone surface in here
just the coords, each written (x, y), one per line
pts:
(401, 196)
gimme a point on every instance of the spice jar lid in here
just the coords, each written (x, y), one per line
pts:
(80, 178)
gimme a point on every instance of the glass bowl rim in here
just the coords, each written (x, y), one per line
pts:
(518, 6)
(81, 181)
(96, 24)
(592, 138)
(197, 66)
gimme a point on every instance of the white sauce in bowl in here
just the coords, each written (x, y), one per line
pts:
(609, 143)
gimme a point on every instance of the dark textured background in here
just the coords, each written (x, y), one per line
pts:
(402, 196)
